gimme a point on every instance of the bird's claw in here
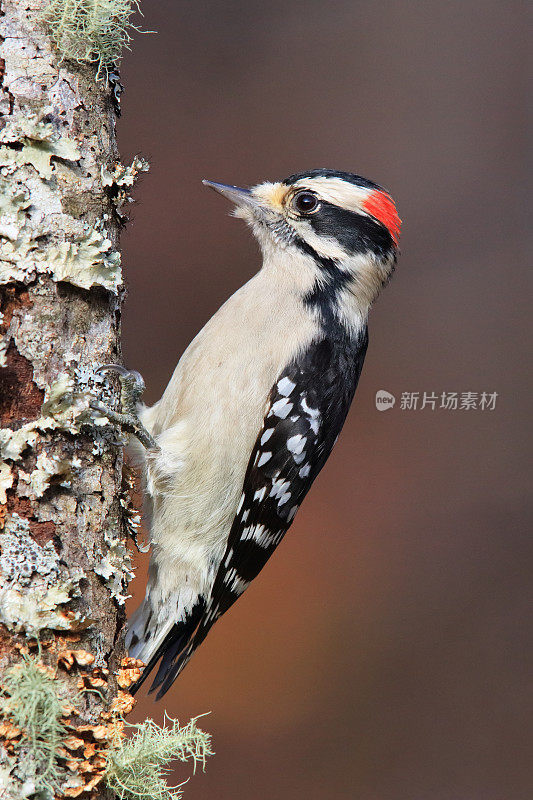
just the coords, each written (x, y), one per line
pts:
(131, 383)
(131, 389)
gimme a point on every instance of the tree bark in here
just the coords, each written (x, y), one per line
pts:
(63, 563)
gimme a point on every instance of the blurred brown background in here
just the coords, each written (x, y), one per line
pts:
(385, 652)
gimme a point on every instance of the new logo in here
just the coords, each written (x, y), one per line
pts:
(384, 400)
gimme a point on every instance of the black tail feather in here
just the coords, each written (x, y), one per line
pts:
(170, 648)
(175, 667)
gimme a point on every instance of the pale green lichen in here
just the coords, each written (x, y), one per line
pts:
(121, 175)
(138, 768)
(89, 261)
(39, 155)
(120, 179)
(86, 260)
(14, 200)
(16, 238)
(26, 127)
(115, 568)
(6, 481)
(93, 31)
(36, 586)
(64, 408)
(47, 468)
(30, 702)
(37, 143)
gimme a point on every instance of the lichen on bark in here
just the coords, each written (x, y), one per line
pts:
(62, 535)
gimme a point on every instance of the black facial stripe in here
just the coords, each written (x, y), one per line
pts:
(328, 265)
(323, 295)
(356, 233)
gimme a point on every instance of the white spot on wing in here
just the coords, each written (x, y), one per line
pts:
(278, 487)
(251, 532)
(235, 583)
(283, 499)
(261, 536)
(296, 443)
(260, 494)
(314, 425)
(304, 471)
(285, 386)
(292, 513)
(281, 408)
(264, 458)
(313, 412)
(267, 434)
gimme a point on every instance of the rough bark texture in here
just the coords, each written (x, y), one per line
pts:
(63, 563)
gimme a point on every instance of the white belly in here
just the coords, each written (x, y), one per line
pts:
(207, 423)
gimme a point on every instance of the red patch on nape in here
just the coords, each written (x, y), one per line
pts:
(381, 206)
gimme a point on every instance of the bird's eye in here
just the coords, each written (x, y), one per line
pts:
(305, 202)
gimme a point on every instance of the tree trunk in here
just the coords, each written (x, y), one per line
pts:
(63, 562)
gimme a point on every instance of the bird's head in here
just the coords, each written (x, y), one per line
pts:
(340, 231)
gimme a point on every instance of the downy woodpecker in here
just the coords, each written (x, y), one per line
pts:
(256, 403)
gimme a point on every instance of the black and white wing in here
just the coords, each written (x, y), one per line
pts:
(306, 410)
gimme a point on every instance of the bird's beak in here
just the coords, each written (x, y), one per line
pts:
(243, 198)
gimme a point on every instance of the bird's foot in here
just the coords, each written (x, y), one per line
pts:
(131, 390)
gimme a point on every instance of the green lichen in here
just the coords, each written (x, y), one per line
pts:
(91, 31)
(89, 261)
(40, 143)
(138, 768)
(30, 701)
(64, 408)
(37, 588)
(115, 568)
(86, 261)
(121, 175)
(39, 154)
(6, 481)
(16, 241)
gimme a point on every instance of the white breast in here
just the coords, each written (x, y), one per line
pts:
(208, 420)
